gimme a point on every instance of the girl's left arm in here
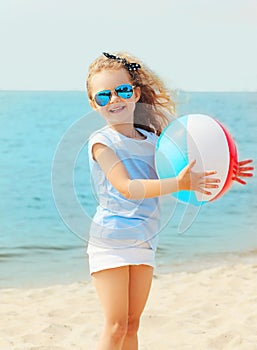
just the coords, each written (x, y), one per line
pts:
(243, 171)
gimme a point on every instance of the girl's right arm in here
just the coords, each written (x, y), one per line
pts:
(118, 176)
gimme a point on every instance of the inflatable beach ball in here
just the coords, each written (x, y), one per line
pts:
(199, 137)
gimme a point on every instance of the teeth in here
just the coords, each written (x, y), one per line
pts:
(116, 109)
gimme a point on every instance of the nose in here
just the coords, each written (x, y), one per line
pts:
(114, 97)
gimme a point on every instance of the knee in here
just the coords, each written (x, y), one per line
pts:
(133, 325)
(118, 330)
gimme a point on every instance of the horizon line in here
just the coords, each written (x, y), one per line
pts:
(78, 90)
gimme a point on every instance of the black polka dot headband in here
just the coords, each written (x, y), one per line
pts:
(131, 67)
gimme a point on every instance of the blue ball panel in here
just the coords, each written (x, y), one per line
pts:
(172, 156)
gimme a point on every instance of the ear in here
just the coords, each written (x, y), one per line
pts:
(92, 104)
(137, 93)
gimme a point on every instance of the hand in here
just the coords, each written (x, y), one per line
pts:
(192, 181)
(241, 171)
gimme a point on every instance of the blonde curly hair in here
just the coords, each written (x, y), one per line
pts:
(155, 107)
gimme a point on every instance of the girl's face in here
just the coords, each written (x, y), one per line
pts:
(118, 110)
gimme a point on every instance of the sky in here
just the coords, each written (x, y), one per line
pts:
(193, 45)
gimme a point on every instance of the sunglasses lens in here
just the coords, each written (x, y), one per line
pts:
(124, 91)
(103, 97)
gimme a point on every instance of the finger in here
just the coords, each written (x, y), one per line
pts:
(209, 185)
(209, 172)
(192, 164)
(244, 162)
(201, 190)
(246, 168)
(240, 164)
(239, 180)
(210, 180)
(244, 174)
(242, 168)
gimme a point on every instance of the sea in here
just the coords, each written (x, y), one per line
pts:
(46, 196)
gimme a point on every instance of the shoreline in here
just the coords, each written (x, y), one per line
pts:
(197, 263)
(213, 308)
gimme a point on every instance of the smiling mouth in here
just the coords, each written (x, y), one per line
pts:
(117, 109)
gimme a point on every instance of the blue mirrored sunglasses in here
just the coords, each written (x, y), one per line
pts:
(102, 98)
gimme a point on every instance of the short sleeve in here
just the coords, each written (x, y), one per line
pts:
(98, 137)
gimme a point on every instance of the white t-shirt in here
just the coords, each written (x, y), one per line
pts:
(118, 220)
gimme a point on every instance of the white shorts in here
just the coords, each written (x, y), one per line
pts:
(104, 257)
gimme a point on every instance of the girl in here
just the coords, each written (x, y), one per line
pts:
(123, 235)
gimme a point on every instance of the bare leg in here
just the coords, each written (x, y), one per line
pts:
(140, 279)
(112, 288)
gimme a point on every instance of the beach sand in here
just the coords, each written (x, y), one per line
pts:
(209, 309)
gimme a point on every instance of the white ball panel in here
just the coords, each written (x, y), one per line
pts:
(207, 143)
